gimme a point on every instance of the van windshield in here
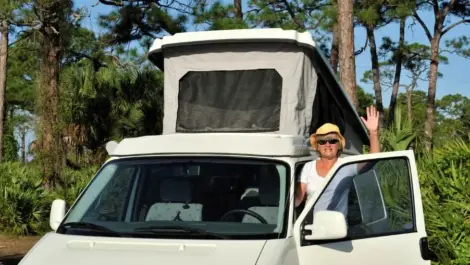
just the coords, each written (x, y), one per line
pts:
(183, 198)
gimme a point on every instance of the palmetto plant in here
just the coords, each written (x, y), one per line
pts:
(22, 199)
(400, 135)
(114, 102)
(445, 187)
(25, 203)
(394, 179)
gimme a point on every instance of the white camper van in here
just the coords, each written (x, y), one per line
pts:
(217, 186)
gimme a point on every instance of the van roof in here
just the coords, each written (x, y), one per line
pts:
(233, 35)
(257, 144)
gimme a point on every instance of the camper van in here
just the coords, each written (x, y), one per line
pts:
(217, 186)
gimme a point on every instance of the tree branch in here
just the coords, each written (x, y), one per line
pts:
(25, 24)
(421, 22)
(97, 64)
(111, 3)
(22, 37)
(454, 25)
(435, 6)
(320, 20)
(362, 49)
(447, 9)
(292, 14)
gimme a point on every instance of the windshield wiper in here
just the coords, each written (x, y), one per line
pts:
(92, 227)
(178, 228)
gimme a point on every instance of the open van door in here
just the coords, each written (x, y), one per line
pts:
(388, 226)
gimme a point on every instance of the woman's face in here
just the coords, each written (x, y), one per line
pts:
(328, 145)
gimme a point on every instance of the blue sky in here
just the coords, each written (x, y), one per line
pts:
(453, 81)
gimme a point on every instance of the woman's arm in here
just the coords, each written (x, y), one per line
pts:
(372, 125)
(374, 141)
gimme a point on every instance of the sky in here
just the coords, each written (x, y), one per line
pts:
(454, 79)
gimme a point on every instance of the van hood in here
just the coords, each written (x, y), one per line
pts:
(58, 249)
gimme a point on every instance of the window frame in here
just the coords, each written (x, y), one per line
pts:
(298, 210)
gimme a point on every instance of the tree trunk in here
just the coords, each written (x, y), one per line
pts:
(55, 35)
(396, 79)
(23, 145)
(52, 150)
(334, 53)
(375, 73)
(346, 50)
(431, 100)
(238, 9)
(3, 79)
(408, 102)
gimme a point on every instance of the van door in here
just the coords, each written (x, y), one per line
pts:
(383, 221)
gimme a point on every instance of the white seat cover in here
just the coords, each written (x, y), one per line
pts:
(175, 204)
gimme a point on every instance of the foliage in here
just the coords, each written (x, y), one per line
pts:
(22, 199)
(10, 146)
(133, 20)
(445, 188)
(400, 135)
(23, 64)
(300, 15)
(217, 16)
(25, 203)
(114, 102)
(394, 183)
(72, 183)
(364, 100)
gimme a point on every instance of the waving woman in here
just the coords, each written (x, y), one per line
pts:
(329, 143)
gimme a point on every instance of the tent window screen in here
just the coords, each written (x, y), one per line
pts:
(229, 101)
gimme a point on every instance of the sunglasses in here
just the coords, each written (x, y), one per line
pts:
(331, 141)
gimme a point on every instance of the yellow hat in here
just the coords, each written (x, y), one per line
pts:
(326, 129)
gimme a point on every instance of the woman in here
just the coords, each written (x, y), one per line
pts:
(329, 143)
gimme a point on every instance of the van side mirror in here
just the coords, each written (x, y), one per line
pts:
(327, 225)
(57, 213)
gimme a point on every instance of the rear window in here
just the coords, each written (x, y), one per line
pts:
(229, 101)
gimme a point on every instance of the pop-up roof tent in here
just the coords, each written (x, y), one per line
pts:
(254, 80)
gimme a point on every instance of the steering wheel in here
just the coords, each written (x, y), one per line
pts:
(251, 213)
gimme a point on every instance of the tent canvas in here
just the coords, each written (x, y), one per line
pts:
(252, 86)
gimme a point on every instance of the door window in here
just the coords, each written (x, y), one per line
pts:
(375, 197)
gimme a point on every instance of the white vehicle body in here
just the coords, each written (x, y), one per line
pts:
(148, 203)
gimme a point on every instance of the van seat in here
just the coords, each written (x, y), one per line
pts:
(269, 192)
(175, 204)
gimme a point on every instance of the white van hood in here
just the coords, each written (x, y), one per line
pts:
(58, 249)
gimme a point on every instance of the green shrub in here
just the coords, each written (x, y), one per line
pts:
(74, 183)
(22, 199)
(24, 202)
(445, 188)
